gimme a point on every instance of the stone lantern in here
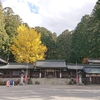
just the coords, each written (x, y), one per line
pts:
(22, 77)
(80, 78)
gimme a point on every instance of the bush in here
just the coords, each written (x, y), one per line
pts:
(72, 82)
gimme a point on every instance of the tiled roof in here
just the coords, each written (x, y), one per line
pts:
(93, 61)
(92, 70)
(17, 66)
(91, 65)
(51, 64)
(75, 66)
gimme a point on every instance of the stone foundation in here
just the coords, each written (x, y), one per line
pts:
(41, 81)
(50, 81)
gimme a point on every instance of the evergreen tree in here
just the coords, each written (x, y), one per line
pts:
(64, 45)
(49, 40)
(12, 21)
(4, 39)
(80, 45)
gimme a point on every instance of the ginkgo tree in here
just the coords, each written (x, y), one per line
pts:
(27, 46)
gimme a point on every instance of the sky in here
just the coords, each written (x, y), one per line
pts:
(55, 15)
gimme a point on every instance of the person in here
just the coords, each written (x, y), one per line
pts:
(8, 83)
(11, 82)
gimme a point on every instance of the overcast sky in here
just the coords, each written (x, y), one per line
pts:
(55, 15)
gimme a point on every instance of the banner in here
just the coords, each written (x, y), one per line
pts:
(77, 79)
(25, 78)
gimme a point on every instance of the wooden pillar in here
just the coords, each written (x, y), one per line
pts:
(90, 79)
(55, 74)
(40, 74)
(80, 79)
(10, 72)
(60, 74)
(45, 73)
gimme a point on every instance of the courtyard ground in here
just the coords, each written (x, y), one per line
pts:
(50, 92)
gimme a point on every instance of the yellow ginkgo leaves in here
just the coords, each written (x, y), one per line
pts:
(27, 45)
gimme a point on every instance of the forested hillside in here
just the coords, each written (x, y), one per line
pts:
(73, 46)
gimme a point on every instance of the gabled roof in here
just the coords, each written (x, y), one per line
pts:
(91, 65)
(17, 66)
(75, 67)
(92, 70)
(50, 64)
(96, 61)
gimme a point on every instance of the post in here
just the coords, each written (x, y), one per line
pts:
(76, 78)
(76, 74)
(26, 75)
(60, 73)
(90, 79)
(55, 74)
(40, 75)
(45, 73)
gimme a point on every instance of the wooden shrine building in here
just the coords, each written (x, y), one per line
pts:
(51, 69)
(92, 71)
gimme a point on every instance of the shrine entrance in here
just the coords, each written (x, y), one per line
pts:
(50, 73)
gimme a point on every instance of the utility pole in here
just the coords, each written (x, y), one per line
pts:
(76, 74)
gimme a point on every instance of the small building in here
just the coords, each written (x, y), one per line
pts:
(13, 70)
(92, 71)
(42, 69)
(73, 70)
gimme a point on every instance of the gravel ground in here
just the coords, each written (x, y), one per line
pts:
(50, 92)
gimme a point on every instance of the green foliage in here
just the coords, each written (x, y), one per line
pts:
(86, 37)
(3, 36)
(54, 36)
(83, 42)
(80, 45)
(48, 39)
(27, 46)
(96, 10)
(12, 21)
(64, 45)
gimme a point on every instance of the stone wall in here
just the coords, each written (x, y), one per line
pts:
(42, 81)
(5, 79)
(50, 81)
